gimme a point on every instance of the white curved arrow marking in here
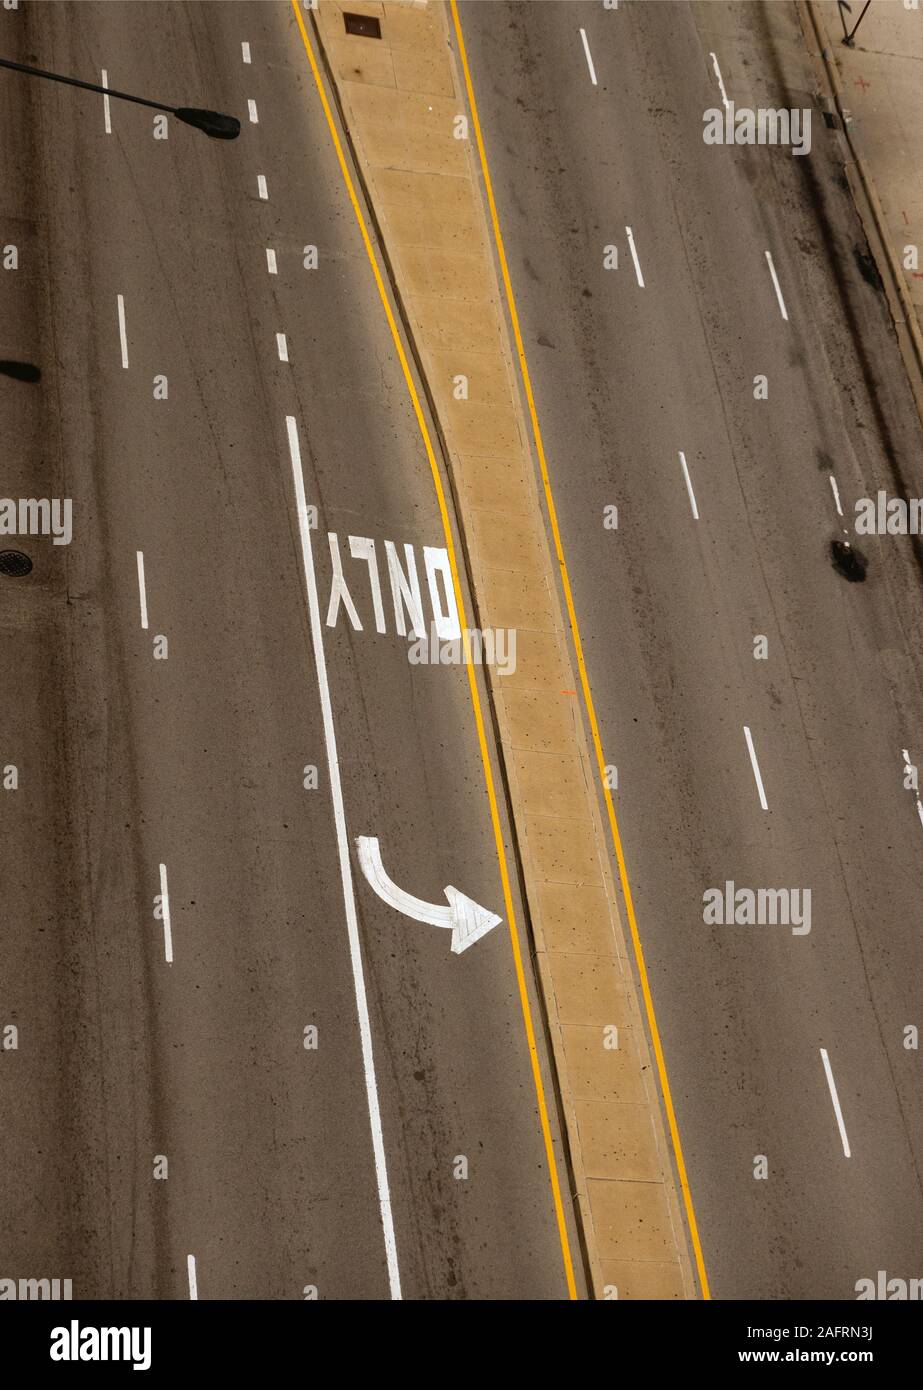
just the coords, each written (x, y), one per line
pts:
(466, 919)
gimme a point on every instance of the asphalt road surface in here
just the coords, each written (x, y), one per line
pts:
(589, 135)
(252, 1094)
(146, 296)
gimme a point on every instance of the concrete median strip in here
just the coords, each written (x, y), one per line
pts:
(403, 102)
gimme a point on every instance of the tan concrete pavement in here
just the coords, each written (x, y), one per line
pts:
(878, 87)
(404, 107)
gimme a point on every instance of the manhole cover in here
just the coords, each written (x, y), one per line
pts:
(365, 25)
(14, 563)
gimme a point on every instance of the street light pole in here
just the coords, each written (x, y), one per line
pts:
(214, 123)
(848, 38)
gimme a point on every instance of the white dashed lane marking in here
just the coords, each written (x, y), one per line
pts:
(634, 256)
(589, 57)
(836, 1102)
(908, 769)
(107, 115)
(775, 281)
(724, 95)
(123, 336)
(756, 769)
(836, 495)
(165, 909)
(142, 589)
(692, 503)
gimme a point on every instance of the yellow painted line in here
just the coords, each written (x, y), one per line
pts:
(584, 679)
(472, 681)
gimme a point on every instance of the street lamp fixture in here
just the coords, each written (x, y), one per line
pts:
(214, 123)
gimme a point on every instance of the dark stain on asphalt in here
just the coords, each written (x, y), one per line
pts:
(21, 371)
(867, 268)
(848, 561)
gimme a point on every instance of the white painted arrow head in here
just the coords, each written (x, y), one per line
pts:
(470, 921)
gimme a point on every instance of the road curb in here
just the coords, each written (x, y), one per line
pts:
(903, 312)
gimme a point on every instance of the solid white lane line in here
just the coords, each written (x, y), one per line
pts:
(589, 57)
(634, 256)
(165, 909)
(271, 261)
(107, 117)
(251, 109)
(756, 769)
(775, 281)
(142, 589)
(836, 1102)
(346, 872)
(261, 186)
(724, 95)
(282, 346)
(245, 51)
(193, 1281)
(836, 494)
(123, 336)
(695, 510)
